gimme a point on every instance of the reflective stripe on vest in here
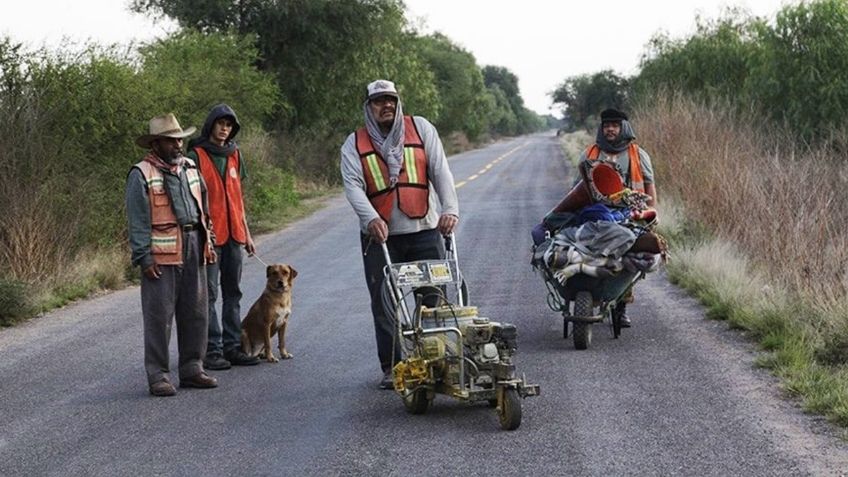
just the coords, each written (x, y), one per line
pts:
(226, 203)
(637, 182)
(166, 238)
(412, 191)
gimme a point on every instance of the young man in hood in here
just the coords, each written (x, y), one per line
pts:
(222, 166)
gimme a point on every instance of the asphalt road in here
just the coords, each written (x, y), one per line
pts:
(676, 395)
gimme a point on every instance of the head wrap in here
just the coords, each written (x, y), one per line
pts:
(389, 145)
(620, 143)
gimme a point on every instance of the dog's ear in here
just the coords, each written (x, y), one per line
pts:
(268, 270)
(293, 273)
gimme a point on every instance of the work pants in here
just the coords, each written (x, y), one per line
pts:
(180, 292)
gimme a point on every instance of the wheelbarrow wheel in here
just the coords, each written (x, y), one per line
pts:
(417, 402)
(582, 331)
(509, 412)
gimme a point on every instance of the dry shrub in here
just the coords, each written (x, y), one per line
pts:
(32, 241)
(14, 301)
(456, 142)
(311, 153)
(783, 205)
(574, 143)
(104, 268)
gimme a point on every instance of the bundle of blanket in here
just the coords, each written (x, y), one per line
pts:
(599, 241)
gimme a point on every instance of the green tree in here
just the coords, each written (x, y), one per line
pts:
(798, 76)
(460, 85)
(504, 84)
(714, 62)
(323, 52)
(503, 120)
(584, 96)
(193, 71)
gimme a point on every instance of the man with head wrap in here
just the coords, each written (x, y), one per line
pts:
(614, 144)
(397, 180)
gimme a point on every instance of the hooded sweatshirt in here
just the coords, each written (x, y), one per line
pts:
(217, 153)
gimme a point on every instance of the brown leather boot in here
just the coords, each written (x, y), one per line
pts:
(162, 388)
(201, 380)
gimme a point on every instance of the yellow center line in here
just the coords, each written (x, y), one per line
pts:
(488, 166)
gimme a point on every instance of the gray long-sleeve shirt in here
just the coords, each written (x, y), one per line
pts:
(443, 198)
(185, 208)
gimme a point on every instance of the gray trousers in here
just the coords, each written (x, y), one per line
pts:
(180, 292)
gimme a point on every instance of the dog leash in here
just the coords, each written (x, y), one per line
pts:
(260, 260)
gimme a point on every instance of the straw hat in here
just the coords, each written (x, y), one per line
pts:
(164, 126)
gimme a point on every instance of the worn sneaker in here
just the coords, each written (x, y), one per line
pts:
(216, 363)
(387, 382)
(625, 321)
(239, 358)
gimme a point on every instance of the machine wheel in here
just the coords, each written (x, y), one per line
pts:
(417, 402)
(509, 412)
(582, 331)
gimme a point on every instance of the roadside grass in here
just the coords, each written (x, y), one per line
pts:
(310, 197)
(789, 330)
(757, 242)
(574, 143)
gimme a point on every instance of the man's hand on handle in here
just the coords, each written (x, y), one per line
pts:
(378, 229)
(447, 223)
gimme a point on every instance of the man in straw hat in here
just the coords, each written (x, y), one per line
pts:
(170, 241)
(397, 179)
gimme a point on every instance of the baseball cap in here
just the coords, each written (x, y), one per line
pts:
(381, 87)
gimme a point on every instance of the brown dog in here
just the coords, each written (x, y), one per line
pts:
(270, 314)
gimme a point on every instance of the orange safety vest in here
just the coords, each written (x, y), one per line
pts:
(226, 203)
(166, 238)
(412, 191)
(637, 182)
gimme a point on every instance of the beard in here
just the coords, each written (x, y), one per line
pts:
(170, 155)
